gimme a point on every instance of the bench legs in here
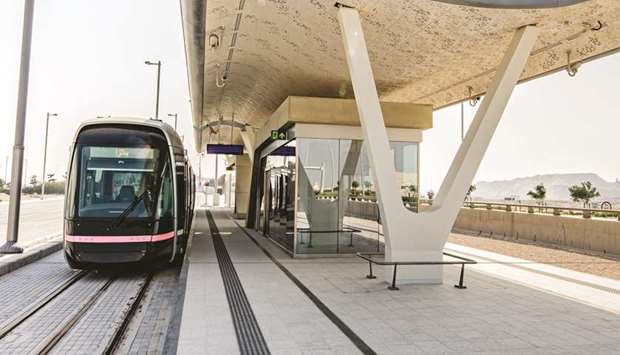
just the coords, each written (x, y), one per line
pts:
(370, 275)
(393, 286)
(460, 285)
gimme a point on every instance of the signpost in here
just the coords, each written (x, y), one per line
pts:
(277, 135)
(232, 149)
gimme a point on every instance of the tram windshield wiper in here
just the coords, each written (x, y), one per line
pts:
(130, 208)
(147, 204)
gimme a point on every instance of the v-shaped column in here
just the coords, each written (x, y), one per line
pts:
(421, 237)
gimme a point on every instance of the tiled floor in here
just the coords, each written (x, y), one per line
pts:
(492, 316)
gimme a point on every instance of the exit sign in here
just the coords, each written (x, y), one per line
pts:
(277, 135)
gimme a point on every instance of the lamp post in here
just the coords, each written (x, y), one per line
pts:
(47, 125)
(158, 63)
(20, 124)
(175, 119)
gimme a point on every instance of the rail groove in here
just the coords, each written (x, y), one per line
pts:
(13, 323)
(120, 331)
(48, 344)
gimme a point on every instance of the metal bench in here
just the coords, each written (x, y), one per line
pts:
(368, 257)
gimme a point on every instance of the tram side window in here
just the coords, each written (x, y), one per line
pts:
(181, 195)
(164, 204)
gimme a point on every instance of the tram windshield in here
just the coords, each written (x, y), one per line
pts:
(115, 181)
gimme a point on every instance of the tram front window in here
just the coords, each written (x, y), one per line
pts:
(115, 181)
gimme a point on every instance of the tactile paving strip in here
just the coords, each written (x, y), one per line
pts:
(249, 336)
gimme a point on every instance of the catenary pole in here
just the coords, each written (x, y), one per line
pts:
(20, 125)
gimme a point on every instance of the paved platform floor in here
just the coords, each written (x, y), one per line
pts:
(327, 306)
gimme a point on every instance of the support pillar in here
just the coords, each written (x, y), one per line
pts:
(243, 178)
(248, 139)
(422, 236)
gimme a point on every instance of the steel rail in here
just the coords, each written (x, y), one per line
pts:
(120, 331)
(13, 323)
(48, 344)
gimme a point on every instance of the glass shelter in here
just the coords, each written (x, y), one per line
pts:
(317, 195)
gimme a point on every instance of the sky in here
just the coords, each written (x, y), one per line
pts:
(88, 60)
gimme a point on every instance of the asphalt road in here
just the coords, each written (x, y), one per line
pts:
(38, 219)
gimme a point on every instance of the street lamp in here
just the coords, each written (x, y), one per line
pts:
(158, 63)
(47, 125)
(175, 119)
(20, 125)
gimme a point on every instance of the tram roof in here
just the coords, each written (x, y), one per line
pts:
(168, 130)
(426, 51)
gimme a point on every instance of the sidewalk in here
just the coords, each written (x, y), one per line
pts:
(505, 309)
(290, 323)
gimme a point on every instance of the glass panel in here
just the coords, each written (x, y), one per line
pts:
(318, 219)
(279, 197)
(406, 164)
(337, 210)
(113, 178)
(361, 214)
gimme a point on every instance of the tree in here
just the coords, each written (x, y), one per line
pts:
(471, 189)
(585, 193)
(539, 193)
(354, 186)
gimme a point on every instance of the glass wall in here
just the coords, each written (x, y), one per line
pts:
(278, 196)
(336, 196)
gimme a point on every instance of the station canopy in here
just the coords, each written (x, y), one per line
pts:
(245, 57)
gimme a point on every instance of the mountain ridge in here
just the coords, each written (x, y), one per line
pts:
(556, 184)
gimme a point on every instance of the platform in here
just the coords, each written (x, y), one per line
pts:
(327, 306)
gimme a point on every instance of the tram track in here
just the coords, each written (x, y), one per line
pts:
(14, 332)
(13, 323)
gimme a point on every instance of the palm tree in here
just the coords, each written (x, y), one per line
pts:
(585, 193)
(539, 194)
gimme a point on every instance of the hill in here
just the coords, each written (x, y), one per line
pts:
(556, 184)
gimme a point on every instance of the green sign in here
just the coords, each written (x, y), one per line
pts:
(277, 135)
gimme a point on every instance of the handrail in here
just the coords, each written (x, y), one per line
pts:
(462, 262)
(555, 210)
(580, 209)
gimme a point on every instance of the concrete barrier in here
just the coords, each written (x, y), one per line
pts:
(575, 232)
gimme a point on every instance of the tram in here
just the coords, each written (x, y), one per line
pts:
(130, 194)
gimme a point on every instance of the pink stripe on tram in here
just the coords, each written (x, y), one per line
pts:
(118, 238)
(160, 237)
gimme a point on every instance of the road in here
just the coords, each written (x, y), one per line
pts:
(38, 219)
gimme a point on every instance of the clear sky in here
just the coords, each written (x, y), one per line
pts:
(88, 60)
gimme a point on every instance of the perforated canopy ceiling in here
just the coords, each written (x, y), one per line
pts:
(422, 51)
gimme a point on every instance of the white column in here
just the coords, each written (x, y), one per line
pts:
(248, 142)
(421, 237)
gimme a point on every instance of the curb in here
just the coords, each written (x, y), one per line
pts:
(11, 263)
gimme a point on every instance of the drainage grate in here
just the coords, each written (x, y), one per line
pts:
(249, 336)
